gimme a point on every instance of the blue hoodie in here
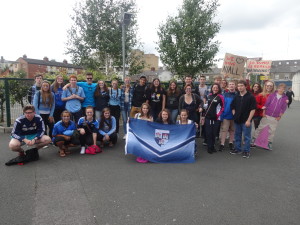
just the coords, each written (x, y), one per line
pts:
(228, 98)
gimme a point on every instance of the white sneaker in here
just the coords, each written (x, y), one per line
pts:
(46, 146)
(124, 138)
(82, 150)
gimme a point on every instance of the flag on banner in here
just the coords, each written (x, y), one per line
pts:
(161, 143)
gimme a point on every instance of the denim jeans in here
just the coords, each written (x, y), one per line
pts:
(174, 114)
(125, 114)
(240, 130)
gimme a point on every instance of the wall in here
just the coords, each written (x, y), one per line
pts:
(296, 86)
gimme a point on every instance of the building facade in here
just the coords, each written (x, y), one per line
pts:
(37, 66)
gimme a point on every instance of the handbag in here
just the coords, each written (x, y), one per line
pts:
(92, 150)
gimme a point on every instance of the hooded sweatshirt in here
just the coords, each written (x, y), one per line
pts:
(276, 107)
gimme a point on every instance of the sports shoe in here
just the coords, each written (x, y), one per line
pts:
(221, 148)
(124, 138)
(204, 144)
(82, 151)
(234, 152)
(270, 146)
(231, 147)
(141, 160)
(246, 155)
(46, 146)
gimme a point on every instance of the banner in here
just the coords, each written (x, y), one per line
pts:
(259, 67)
(233, 66)
(161, 143)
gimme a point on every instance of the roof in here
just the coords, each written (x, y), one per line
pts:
(285, 69)
(51, 63)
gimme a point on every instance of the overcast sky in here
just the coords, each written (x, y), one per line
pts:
(251, 28)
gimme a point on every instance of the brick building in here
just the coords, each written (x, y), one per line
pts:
(35, 66)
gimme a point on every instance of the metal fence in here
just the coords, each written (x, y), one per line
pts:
(13, 96)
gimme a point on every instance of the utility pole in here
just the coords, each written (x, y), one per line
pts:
(126, 17)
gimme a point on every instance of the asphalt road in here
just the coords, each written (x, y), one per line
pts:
(111, 188)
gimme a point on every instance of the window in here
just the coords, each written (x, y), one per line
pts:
(287, 63)
(276, 77)
(295, 62)
(286, 76)
(279, 63)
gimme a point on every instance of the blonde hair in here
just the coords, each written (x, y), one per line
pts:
(265, 92)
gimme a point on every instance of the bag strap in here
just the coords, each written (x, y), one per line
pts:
(88, 126)
(39, 99)
(210, 106)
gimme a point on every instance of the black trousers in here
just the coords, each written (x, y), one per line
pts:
(113, 137)
(47, 123)
(211, 130)
(115, 111)
(86, 139)
(57, 114)
(60, 138)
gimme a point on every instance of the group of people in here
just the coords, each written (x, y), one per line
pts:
(82, 113)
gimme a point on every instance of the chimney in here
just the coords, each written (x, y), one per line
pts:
(65, 61)
(46, 59)
(24, 56)
(2, 59)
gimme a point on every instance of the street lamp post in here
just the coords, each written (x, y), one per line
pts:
(126, 17)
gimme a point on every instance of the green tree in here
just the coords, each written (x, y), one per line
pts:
(19, 88)
(95, 38)
(137, 62)
(186, 42)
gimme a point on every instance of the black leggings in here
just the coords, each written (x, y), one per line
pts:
(86, 139)
(115, 111)
(65, 142)
(45, 118)
(113, 137)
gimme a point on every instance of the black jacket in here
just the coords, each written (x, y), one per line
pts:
(243, 106)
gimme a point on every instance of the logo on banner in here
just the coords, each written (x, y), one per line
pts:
(162, 136)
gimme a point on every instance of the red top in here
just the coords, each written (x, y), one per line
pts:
(260, 102)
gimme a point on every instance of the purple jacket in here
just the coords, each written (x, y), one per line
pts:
(276, 107)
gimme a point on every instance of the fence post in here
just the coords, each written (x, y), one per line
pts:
(7, 100)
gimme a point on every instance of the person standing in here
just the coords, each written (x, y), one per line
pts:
(156, 97)
(126, 100)
(73, 96)
(172, 100)
(188, 80)
(290, 94)
(243, 108)
(115, 102)
(139, 96)
(44, 104)
(57, 89)
(274, 108)
(261, 98)
(89, 88)
(202, 91)
(101, 98)
(38, 79)
(191, 102)
(227, 117)
(211, 119)
(256, 90)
